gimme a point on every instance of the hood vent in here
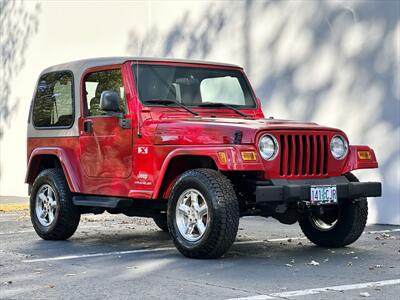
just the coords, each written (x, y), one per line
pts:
(238, 137)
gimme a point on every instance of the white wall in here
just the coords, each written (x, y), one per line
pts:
(336, 63)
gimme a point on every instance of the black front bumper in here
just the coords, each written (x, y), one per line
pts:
(281, 190)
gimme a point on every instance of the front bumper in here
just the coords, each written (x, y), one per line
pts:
(281, 190)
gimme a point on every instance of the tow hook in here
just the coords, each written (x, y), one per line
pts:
(303, 204)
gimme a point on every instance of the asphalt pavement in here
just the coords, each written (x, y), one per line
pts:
(117, 257)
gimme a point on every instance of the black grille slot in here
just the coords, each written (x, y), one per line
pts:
(304, 158)
(325, 143)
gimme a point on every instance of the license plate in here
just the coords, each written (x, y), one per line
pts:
(323, 194)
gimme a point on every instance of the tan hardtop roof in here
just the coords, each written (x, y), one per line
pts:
(79, 66)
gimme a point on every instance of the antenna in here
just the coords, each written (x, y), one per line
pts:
(139, 116)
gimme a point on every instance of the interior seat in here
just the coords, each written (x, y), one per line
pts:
(107, 85)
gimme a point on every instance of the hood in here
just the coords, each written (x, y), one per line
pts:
(206, 130)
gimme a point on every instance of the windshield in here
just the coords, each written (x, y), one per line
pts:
(193, 86)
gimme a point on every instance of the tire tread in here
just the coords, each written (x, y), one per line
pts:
(226, 219)
(69, 215)
(350, 226)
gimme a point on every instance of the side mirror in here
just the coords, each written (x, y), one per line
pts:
(109, 101)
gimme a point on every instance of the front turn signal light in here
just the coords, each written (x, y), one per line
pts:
(222, 158)
(249, 155)
(364, 155)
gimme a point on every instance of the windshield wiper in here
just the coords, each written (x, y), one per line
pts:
(171, 101)
(220, 104)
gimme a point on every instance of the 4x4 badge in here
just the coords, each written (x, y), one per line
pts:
(143, 150)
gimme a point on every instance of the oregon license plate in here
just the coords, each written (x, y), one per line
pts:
(323, 194)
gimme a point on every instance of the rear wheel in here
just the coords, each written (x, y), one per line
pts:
(203, 214)
(53, 215)
(341, 227)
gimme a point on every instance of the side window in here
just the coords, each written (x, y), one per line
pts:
(53, 103)
(97, 82)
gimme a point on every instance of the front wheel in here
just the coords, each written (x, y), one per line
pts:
(341, 227)
(203, 214)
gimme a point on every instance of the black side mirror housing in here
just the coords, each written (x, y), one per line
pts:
(109, 101)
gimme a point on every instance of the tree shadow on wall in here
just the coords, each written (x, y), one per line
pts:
(194, 39)
(17, 26)
(334, 63)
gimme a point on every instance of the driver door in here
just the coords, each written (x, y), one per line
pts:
(106, 145)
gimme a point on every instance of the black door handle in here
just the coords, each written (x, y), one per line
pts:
(88, 126)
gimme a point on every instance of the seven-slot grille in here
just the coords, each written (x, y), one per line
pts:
(303, 154)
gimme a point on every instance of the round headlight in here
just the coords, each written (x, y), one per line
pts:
(268, 147)
(339, 147)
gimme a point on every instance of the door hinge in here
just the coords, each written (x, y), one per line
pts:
(125, 123)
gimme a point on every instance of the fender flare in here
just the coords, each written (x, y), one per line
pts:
(232, 154)
(70, 170)
(353, 162)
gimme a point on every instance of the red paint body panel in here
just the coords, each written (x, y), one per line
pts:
(133, 162)
(67, 152)
(165, 154)
(354, 163)
(107, 152)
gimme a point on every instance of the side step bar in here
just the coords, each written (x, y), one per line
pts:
(101, 201)
(117, 202)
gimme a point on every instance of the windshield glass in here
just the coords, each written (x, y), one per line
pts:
(193, 86)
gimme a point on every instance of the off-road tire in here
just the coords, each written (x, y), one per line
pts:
(161, 221)
(67, 215)
(353, 214)
(223, 209)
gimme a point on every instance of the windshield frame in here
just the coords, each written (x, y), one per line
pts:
(246, 82)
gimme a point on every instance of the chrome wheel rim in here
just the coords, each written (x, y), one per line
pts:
(46, 205)
(322, 225)
(191, 215)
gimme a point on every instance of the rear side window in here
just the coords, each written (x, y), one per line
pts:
(53, 103)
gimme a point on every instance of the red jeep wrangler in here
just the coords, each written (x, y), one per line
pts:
(187, 144)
